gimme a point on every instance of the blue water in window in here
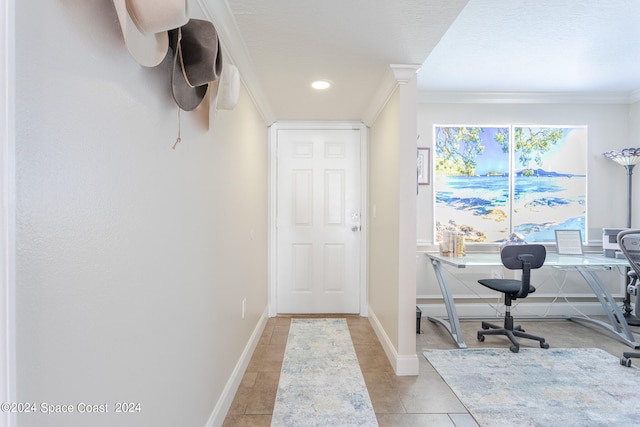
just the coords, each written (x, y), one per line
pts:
(542, 203)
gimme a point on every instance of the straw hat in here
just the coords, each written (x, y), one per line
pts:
(229, 90)
(144, 25)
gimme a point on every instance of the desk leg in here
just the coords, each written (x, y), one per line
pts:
(618, 325)
(453, 325)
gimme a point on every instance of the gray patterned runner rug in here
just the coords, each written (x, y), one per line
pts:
(321, 383)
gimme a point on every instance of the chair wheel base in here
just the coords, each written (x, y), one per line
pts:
(625, 360)
(512, 334)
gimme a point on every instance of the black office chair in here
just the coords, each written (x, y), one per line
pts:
(629, 242)
(515, 257)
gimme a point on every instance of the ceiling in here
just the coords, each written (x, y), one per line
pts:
(573, 47)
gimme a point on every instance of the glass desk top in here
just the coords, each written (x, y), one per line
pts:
(490, 259)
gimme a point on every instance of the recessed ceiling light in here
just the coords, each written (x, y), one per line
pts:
(320, 84)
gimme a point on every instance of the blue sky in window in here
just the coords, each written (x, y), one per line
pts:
(571, 146)
(493, 159)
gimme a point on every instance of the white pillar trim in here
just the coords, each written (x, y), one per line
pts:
(407, 359)
(404, 72)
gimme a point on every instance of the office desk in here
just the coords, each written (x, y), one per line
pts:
(586, 265)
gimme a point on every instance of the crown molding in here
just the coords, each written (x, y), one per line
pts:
(443, 97)
(387, 86)
(235, 50)
(397, 74)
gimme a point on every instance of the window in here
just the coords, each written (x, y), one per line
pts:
(491, 181)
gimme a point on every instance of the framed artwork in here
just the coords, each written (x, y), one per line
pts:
(569, 242)
(492, 181)
(423, 166)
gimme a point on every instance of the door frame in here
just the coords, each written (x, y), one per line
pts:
(272, 295)
(7, 211)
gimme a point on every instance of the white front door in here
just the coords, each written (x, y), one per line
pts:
(318, 222)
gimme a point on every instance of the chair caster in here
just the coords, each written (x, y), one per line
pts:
(480, 337)
(625, 361)
(544, 345)
(514, 348)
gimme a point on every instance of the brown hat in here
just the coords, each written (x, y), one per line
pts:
(197, 61)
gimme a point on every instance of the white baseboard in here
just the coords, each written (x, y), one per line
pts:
(387, 346)
(408, 365)
(519, 309)
(402, 365)
(224, 402)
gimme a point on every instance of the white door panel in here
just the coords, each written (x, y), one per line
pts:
(318, 221)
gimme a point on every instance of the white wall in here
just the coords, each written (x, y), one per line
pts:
(634, 141)
(392, 199)
(384, 217)
(634, 124)
(132, 258)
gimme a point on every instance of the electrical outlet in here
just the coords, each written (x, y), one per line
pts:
(244, 306)
(496, 274)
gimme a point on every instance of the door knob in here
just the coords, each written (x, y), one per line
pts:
(355, 220)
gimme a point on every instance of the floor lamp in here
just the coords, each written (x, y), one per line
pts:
(627, 157)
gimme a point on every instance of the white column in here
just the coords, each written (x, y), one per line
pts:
(407, 81)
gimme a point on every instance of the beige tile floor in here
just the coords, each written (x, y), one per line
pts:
(422, 400)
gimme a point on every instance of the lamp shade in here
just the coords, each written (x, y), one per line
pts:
(625, 157)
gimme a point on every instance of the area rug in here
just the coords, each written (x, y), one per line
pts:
(578, 387)
(321, 383)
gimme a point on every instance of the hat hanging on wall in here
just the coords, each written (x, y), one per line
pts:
(144, 25)
(225, 94)
(229, 90)
(197, 61)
